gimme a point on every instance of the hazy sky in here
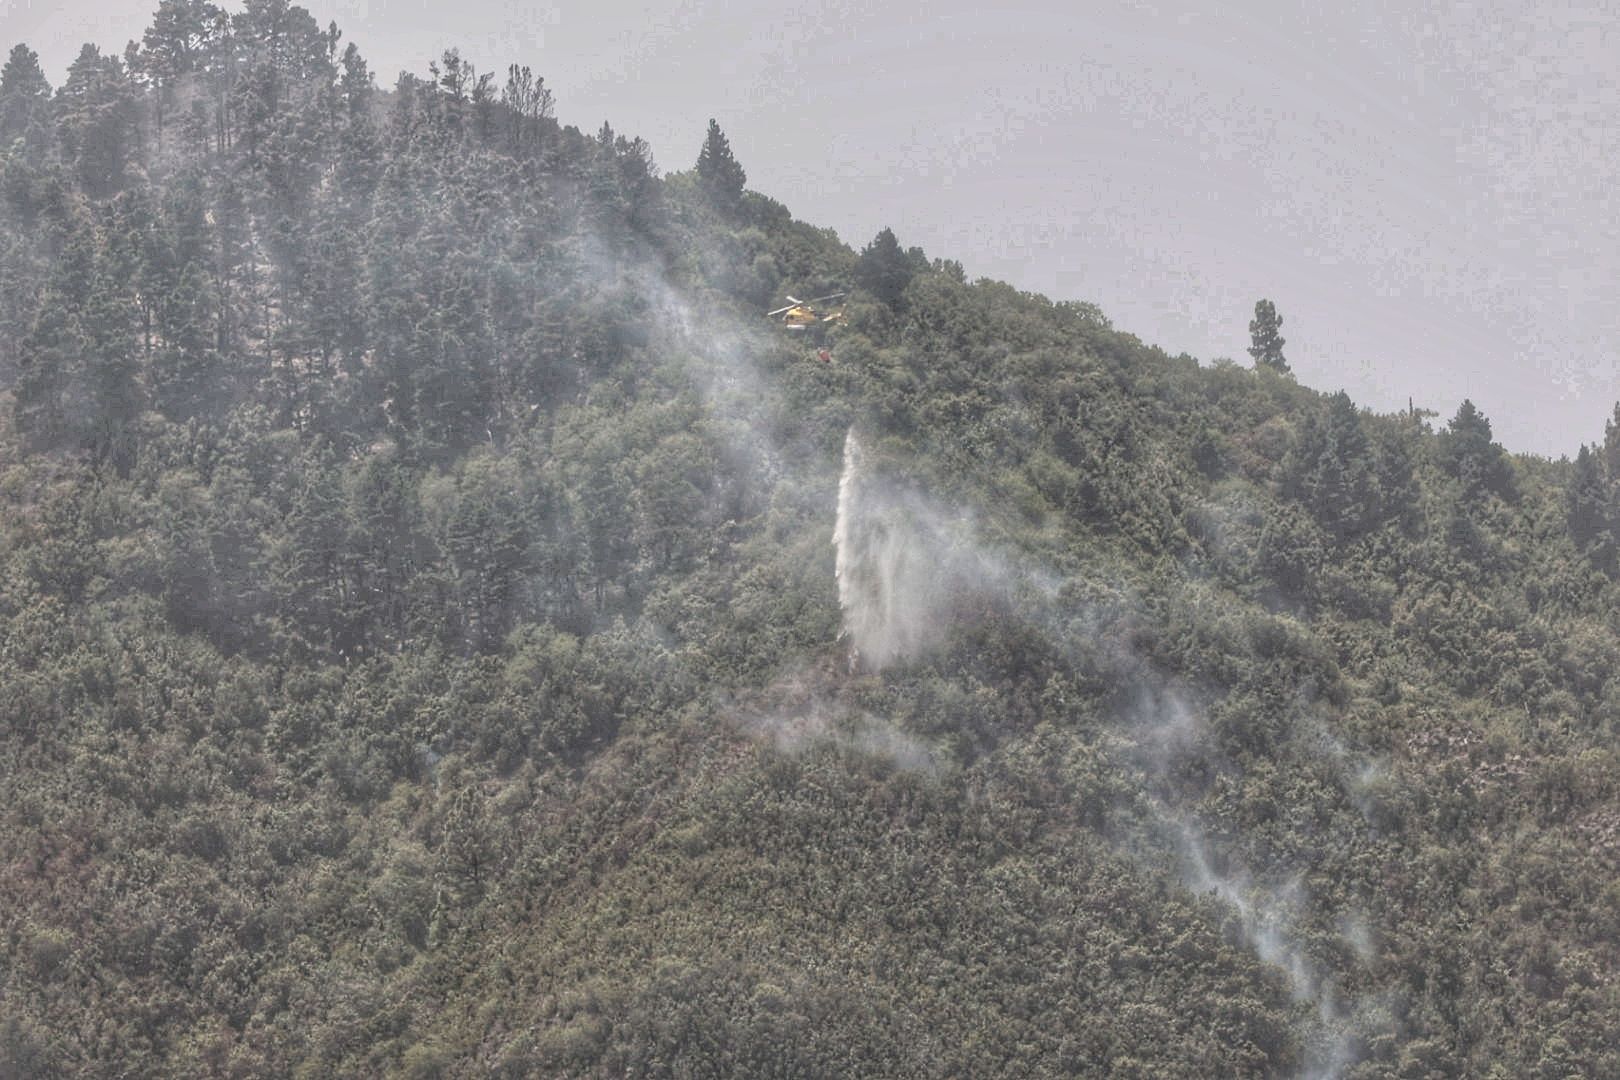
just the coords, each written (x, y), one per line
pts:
(1430, 199)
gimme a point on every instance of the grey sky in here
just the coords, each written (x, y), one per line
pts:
(1428, 197)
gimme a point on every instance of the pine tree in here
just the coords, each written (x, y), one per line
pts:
(25, 96)
(528, 104)
(1468, 453)
(175, 45)
(1587, 509)
(111, 362)
(720, 174)
(48, 403)
(355, 87)
(884, 268)
(1333, 471)
(97, 121)
(1266, 337)
(1611, 446)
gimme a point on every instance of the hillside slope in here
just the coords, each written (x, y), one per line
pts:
(426, 652)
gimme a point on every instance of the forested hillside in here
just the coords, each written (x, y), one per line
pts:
(424, 650)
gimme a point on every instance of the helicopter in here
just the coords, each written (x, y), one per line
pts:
(812, 316)
(808, 314)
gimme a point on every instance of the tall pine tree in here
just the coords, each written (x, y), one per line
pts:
(884, 269)
(1468, 453)
(25, 97)
(719, 173)
(1587, 510)
(1266, 337)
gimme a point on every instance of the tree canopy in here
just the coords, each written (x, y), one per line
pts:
(425, 652)
(1265, 336)
(719, 173)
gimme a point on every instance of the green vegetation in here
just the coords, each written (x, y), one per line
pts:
(1265, 336)
(420, 640)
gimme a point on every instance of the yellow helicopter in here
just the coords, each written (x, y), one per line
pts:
(809, 314)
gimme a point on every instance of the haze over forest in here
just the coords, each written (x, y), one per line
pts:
(1428, 194)
(459, 618)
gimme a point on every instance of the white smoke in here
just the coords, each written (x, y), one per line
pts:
(804, 719)
(1272, 916)
(1357, 932)
(1267, 916)
(904, 565)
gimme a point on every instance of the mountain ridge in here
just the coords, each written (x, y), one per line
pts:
(428, 652)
